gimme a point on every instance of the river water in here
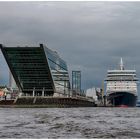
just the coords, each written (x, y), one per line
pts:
(92, 122)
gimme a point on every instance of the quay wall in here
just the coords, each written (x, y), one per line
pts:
(49, 102)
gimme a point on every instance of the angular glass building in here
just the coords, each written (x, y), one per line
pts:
(37, 71)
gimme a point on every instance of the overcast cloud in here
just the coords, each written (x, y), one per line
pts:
(90, 36)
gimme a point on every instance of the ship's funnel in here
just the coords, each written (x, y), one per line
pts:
(121, 64)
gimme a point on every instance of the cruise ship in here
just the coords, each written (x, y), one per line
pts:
(121, 86)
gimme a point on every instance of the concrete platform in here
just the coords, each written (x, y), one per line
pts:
(47, 102)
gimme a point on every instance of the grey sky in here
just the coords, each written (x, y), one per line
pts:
(90, 36)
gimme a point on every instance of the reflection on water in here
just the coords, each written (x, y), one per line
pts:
(70, 123)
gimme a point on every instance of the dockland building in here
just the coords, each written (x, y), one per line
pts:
(37, 71)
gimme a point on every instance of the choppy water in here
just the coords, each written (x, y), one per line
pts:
(70, 123)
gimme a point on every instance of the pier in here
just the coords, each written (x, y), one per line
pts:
(47, 102)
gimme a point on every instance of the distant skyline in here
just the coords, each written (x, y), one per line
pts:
(89, 36)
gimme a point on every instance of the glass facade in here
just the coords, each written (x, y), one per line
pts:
(37, 68)
(59, 71)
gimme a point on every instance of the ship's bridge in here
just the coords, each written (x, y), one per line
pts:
(127, 75)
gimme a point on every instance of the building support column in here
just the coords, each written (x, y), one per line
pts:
(33, 92)
(43, 92)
